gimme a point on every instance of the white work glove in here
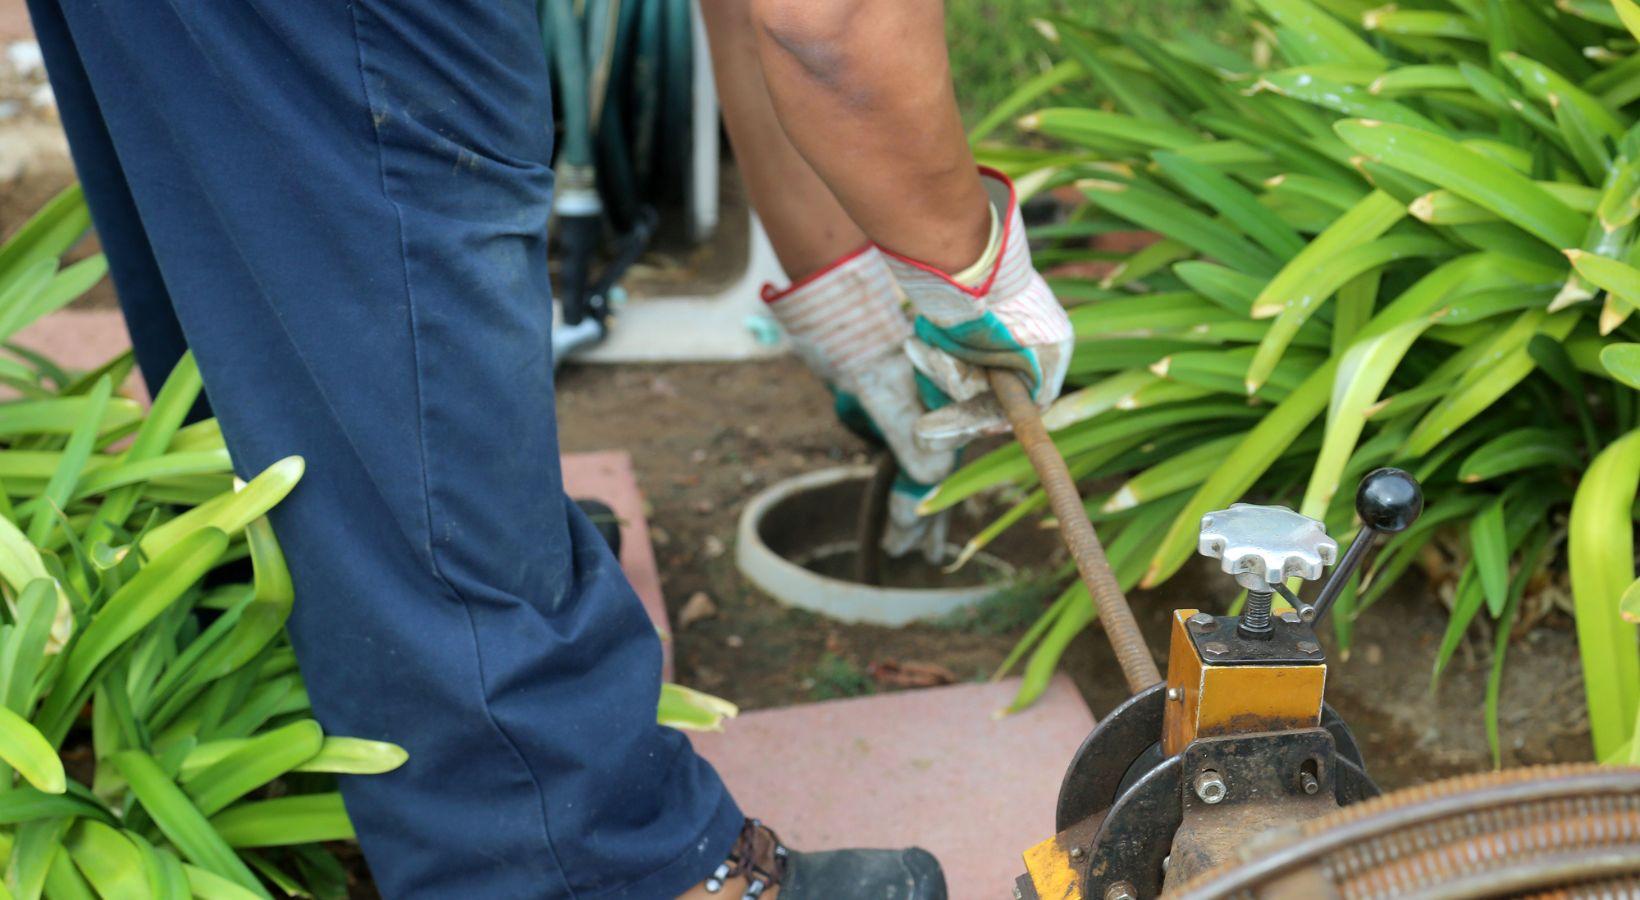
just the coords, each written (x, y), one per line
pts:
(846, 323)
(997, 314)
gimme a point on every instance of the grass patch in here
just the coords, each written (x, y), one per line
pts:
(1010, 609)
(835, 677)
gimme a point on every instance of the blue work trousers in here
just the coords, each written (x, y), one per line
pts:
(341, 208)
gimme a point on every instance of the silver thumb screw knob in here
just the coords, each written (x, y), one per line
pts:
(1262, 546)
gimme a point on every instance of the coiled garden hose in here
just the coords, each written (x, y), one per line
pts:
(621, 75)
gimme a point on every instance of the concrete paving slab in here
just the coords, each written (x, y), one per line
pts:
(929, 767)
(607, 475)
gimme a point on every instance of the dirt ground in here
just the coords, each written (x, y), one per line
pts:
(707, 437)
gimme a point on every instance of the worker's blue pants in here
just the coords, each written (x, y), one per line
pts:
(341, 207)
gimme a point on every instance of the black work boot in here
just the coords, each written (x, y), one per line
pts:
(604, 519)
(765, 863)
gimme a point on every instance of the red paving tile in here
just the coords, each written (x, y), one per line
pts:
(82, 339)
(608, 476)
(929, 767)
(14, 23)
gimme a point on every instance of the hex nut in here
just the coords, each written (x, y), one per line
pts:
(1309, 647)
(1202, 621)
(1210, 787)
(1121, 890)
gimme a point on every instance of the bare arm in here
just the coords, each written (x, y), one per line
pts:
(863, 89)
(807, 226)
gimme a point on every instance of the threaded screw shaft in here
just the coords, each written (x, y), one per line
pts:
(1255, 616)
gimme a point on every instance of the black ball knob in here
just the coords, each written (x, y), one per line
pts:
(1389, 500)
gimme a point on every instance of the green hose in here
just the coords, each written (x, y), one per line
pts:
(622, 77)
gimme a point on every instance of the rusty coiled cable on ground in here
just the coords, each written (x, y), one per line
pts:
(1564, 828)
(1138, 666)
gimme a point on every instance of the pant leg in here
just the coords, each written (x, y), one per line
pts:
(347, 205)
(156, 336)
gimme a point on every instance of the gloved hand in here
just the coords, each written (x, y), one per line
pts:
(846, 324)
(997, 313)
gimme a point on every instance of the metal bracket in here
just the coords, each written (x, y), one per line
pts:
(1241, 785)
(1291, 642)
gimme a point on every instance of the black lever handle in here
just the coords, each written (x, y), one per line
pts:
(1388, 500)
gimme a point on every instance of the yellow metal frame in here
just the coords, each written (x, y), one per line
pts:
(1204, 700)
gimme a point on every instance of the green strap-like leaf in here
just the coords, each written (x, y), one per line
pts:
(138, 602)
(284, 821)
(23, 649)
(33, 851)
(1623, 361)
(1601, 553)
(180, 822)
(1325, 280)
(1489, 543)
(259, 761)
(1474, 176)
(162, 870)
(1155, 210)
(110, 863)
(1629, 605)
(1362, 374)
(1505, 364)
(25, 749)
(1519, 450)
(691, 710)
(54, 499)
(47, 234)
(355, 756)
(235, 510)
(1324, 36)
(1629, 13)
(1232, 201)
(1022, 97)
(1546, 84)
(1261, 447)
(1344, 99)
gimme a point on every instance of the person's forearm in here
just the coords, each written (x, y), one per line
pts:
(863, 89)
(805, 223)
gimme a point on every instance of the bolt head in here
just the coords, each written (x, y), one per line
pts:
(1215, 648)
(1210, 787)
(1077, 853)
(1175, 694)
(1310, 647)
(1202, 621)
(1290, 617)
(1121, 890)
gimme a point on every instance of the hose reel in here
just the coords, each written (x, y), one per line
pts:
(624, 82)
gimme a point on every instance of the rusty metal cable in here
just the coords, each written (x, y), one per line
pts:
(1497, 834)
(868, 564)
(1138, 666)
